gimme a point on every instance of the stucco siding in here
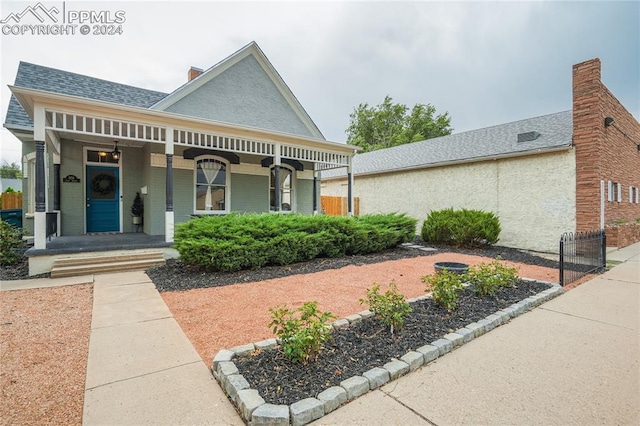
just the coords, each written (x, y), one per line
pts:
(182, 195)
(243, 94)
(533, 196)
(304, 196)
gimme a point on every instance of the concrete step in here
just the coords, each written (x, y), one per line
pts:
(68, 267)
(97, 259)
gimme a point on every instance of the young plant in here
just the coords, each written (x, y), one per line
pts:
(487, 278)
(444, 286)
(390, 307)
(10, 243)
(303, 331)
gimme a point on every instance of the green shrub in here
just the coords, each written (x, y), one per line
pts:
(10, 243)
(468, 228)
(234, 242)
(444, 286)
(487, 278)
(302, 332)
(390, 307)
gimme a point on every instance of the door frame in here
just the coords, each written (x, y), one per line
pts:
(86, 163)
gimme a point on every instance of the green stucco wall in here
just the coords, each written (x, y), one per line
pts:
(304, 197)
(249, 193)
(72, 194)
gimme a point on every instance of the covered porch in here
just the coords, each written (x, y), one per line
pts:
(161, 142)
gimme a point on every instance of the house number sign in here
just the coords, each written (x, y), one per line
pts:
(71, 178)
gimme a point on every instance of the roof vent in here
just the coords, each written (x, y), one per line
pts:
(528, 137)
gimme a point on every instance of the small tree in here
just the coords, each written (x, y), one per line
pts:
(137, 208)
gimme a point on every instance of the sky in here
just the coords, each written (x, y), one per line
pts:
(485, 63)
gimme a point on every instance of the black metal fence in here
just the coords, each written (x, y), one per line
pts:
(52, 224)
(582, 253)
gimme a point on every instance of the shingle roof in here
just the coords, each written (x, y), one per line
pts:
(57, 81)
(555, 130)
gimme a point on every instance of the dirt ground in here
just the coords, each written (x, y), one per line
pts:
(44, 346)
(222, 317)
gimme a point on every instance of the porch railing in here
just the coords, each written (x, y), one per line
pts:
(581, 253)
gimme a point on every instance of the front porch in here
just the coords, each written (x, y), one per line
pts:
(97, 249)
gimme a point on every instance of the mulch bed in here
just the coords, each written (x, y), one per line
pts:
(369, 344)
(178, 276)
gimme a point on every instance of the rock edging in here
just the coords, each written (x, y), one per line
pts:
(255, 411)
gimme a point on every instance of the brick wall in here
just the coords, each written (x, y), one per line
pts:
(602, 152)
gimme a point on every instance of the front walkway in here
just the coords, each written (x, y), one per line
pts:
(142, 369)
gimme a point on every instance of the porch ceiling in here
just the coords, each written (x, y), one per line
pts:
(103, 122)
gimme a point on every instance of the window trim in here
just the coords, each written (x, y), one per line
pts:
(227, 185)
(294, 178)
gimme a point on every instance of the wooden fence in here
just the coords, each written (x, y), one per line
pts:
(11, 200)
(338, 206)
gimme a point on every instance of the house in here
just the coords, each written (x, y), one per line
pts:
(575, 170)
(233, 138)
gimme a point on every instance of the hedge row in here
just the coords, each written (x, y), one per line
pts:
(235, 242)
(467, 228)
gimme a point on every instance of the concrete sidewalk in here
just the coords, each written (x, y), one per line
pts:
(142, 369)
(573, 361)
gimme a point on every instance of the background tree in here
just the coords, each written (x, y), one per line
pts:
(10, 171)
(389, 124)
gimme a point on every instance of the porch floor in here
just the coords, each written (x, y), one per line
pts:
(102, 242)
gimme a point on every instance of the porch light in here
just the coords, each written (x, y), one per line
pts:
(115, 154)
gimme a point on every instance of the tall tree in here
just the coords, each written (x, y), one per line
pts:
(10, 171)
(389, 124)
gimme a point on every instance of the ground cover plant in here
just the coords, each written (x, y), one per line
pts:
(235, 242)
(462, 228)
(368, 344)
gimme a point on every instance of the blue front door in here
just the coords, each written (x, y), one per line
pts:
(103, 199)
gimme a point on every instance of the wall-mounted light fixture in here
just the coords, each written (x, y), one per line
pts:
(608, 121)
(115, 154)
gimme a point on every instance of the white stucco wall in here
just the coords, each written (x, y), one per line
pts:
(534, 196)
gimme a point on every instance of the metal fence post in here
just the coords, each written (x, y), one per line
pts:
(604, 249)
(561, 261)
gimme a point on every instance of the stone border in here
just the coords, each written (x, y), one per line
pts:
(255, 411)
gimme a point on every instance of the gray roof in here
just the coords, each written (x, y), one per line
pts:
(15, 184)
(57, 81)
(555, 131)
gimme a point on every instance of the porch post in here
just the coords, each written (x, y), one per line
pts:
(350, 186)
(168, 214)
(56, 186)
(40, 215)
(276, 177)
(316, 176)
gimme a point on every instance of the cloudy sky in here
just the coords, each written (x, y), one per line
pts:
(485, 63)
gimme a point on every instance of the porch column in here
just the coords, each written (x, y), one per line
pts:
(276, 178)
(316, 179)
(168, 214)
(40, 215)
(350, 187)
(56, 186)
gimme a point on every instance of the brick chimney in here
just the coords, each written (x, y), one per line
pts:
(194, 72)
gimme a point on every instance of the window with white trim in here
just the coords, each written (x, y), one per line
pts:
(211, 186)
(619, 192)
(31, 181)
(287, 178)
(631, 193)
(610, 191)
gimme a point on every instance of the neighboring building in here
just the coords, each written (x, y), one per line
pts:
(233, 138)
(573, 170)
(6, 183)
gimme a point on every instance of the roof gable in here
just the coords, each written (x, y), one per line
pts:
(242, 89)
(555, 131)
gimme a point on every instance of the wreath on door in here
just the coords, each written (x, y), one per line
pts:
(103, 184)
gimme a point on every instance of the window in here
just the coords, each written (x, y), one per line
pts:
(211, 186)
(631, 197)
(286, 176)
(30, 162)
(610, 196)
(619, 192)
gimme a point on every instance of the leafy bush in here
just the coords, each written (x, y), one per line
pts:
(10, 243)
(234, 242)
(469, 228)
(487, 278)
(445, 286)
(302, 332)
(390, 307)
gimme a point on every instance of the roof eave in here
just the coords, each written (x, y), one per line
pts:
(563, 147)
